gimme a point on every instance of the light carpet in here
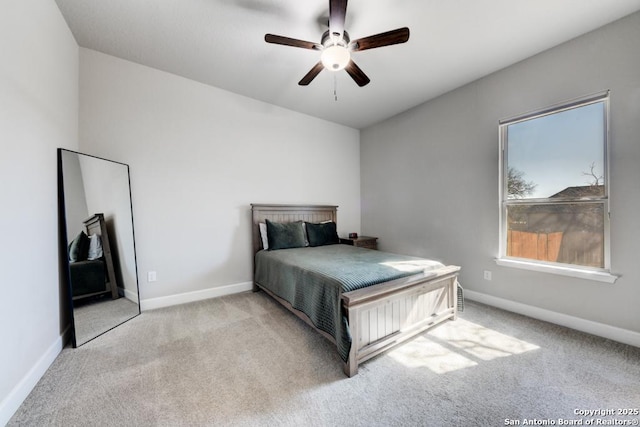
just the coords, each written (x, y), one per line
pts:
(244, 360)
(96, 317)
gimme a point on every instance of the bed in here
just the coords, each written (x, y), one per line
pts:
(92, 276)
(333, 287)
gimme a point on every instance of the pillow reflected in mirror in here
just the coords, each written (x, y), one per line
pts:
(79, 248)
(95, 247)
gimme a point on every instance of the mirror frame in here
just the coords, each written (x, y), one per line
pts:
(64, 245)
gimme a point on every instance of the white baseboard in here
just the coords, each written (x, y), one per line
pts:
(131, 296)
(12, 402)
(153, 303)
(600, 329)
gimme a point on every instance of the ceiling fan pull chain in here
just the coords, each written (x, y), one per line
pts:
(335, 87)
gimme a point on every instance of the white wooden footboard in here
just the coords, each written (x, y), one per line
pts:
(385, 315)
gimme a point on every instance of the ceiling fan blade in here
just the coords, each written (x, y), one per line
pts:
(287, 41)
(337, 14)
(401, 35)
(311, 74)
(357, 74)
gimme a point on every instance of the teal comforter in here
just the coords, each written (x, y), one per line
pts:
(312, 280)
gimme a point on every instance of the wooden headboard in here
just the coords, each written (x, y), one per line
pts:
(287, 213)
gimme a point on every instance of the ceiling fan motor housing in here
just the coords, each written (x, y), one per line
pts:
(329, 39)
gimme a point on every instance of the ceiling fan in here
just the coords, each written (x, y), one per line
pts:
(336, 46)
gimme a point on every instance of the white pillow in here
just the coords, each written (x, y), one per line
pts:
(304, 230)
(263, 235)
(95, 247)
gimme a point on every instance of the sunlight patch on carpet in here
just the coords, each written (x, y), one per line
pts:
(458, 345)
(421, 352)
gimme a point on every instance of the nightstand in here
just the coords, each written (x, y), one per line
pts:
(361, 242)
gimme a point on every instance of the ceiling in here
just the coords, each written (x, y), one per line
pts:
(221, 43)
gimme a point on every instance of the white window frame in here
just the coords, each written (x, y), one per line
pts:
(592, 273)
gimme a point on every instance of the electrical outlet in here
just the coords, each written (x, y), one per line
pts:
(487, 275)
(151, 276)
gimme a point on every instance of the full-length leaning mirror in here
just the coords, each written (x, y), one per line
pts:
(97, 225)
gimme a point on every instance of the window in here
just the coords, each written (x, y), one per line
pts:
(554, 187)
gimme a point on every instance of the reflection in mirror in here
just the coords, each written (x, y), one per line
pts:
(101, 259)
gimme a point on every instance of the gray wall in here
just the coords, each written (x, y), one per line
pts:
(199, 156)
(75, 201)
(38, 113)
(429, 176)
(106, 188)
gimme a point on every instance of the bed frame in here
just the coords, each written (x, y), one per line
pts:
(96, 224)
(379, 316)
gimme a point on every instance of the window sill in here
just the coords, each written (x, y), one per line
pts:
(599, 276)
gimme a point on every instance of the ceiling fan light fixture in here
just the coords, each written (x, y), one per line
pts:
(335, 57)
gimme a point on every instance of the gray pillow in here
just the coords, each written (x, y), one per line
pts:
(285, 235)
(322, 234)
(79, 248)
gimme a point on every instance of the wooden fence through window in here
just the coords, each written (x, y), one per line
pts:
(578, 248)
